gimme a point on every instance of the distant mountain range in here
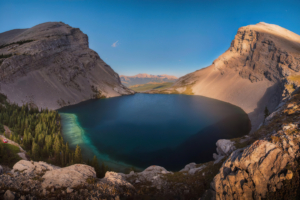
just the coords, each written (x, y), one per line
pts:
(146, 78)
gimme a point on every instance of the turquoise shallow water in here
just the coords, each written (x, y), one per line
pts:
(151, 129)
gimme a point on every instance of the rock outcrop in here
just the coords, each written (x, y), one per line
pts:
(252, 73)
(31, 168)
(71, 176)
(152, 174)
(39, 180)
(266, 165)
(9, 195)
(51, 65)
(224, 148)
(251, 172)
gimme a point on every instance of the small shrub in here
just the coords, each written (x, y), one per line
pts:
(91, 180)
(275, 139)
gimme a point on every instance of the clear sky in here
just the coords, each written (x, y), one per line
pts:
(154, 36)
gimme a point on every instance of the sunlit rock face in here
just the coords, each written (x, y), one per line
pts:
(51, 66)
(252, 73)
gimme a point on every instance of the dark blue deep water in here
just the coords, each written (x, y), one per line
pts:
(151, 129)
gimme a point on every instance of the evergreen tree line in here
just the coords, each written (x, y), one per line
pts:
(5, 55)
(39, 133)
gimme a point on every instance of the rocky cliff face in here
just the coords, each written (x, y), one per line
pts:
(268, 165)
(252, 73)
(51, 66)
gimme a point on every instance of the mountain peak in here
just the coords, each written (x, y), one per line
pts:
(252, 73)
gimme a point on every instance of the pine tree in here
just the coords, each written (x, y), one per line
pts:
(35, 150)
(267, 113)
(67, 154)
(56, 145)
(77, 156)
(96, 166)
(62, 159)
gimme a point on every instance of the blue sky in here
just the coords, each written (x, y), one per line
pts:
(153, 36)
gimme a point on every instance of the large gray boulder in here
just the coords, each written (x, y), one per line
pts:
(31, 168)
(188, 167)
(117, 179)
(71, 176)
(225, 147)
(8, 195)
(153, 174)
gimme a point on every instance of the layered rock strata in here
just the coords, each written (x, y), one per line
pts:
(51, 65)
(252, 73)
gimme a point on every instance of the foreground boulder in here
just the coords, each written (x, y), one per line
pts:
(9, 195)
(31, 168)
(225, 147)
(116, 179)
(71, 176)
(252, 172)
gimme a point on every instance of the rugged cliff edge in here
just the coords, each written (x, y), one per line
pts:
(252, 73)
(51, 66)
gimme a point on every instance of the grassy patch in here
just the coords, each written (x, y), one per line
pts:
(289, 87)
(238, 144)
(197, 183)
(9, 154)
(91, 180)
(19, 43)
(188, 90)
(151, 86)
(295, 78)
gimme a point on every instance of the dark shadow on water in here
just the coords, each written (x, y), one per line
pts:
(204, 141)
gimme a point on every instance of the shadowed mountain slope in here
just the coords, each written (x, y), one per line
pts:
(51, 66)
(253, 73)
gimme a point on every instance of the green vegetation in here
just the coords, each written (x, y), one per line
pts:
(8, 154)
(290, 88)
(290, 189)
(198, 183)
(151, 86)
(19, 43)
(267, 113)
(5, 56)
(39, 133)
(295, 78)
(100, 169)
(188, 90)
(97, 93)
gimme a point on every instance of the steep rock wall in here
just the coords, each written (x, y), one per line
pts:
(251, 74)
(51, 66)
